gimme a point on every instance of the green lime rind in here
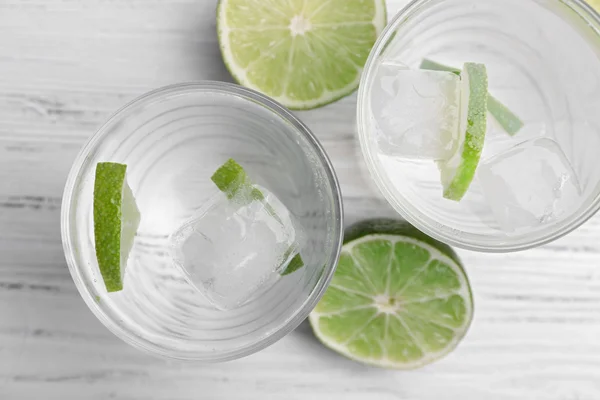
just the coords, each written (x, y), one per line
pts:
(301, 70)
(295, 264)
(232, 179)
(507, 119)
(110, 193)
(398, 299)
(388, 226)
(435, 66)
(458, 172)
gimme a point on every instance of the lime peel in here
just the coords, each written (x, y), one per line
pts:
(231, 179)
(458, 172)
(116, 220)
(435, 66)
(506, 118)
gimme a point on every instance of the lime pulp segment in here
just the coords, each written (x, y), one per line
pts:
(116, 219)
(395, 301)
(302, 53)
(458, 172)
(508, 120)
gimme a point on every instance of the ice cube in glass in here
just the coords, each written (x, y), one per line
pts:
(530, 184)
(233, 250)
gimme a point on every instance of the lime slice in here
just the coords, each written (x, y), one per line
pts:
(506, 118)
(304, 54)
(116, 219)
(232, 179)
(458, 171)
(398, 299)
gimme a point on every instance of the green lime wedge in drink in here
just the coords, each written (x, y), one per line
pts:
(304, 54)
(232, 179)
(294, 265)
(459, 170)
(116, 220)
(435, 66)
(507, 119)
(398, 299)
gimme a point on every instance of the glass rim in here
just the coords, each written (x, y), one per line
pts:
(419, 219)
(283, 329)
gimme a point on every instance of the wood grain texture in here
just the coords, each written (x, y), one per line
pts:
(65, 66)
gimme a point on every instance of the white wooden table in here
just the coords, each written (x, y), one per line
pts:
(65, 65)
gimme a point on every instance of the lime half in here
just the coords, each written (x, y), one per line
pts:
(399, 299)
(458, 171)
(116, 219)
(302, 53)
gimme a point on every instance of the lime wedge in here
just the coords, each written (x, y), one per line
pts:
(458, 171)
(295, 264)
(116, 219)
(398, 299)
(232, 179)
(434, 66)
(506, 118)
(304, 54)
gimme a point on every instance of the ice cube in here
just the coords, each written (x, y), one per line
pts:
(231, 250)
(415, 112)
(529, 184)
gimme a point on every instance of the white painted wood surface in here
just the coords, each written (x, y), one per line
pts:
(65, 65)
